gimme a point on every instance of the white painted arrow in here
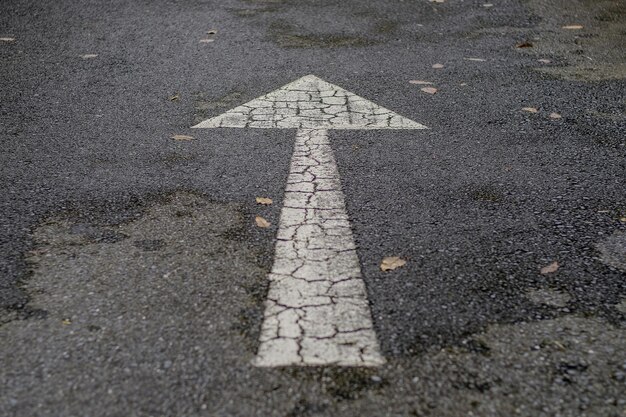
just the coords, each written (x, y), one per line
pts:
(316, 311)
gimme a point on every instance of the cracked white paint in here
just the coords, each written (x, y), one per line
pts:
(311, 103)
(317, 311)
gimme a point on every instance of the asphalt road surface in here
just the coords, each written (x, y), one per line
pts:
(141, 277)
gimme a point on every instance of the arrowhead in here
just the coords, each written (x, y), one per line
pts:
(311, 103)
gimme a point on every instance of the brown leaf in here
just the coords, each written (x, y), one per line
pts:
(548, 269)
(555, 116)
(261, 222)
(572, 27)
(264, 201)
(438, 66)
(530, 109)
(182, 137)
(390, 263)
(524, 44)
(419, 82)
(429, 90)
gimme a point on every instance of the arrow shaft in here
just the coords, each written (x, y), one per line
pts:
(317, 311)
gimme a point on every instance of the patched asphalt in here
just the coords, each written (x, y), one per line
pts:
(133, 274)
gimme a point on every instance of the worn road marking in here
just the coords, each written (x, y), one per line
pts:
(317, 311)
(311, 103)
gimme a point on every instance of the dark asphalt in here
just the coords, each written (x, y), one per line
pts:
(115, 303)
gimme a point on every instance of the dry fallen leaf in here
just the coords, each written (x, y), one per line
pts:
(622, 219)
(572, 27)
(524, 44)
(544, 61)
(7, 39)
(420, 82)
(391, 262)
(182, 137)
(550, 268)
(66, 321)
(555, 116)
(206, 40)
(264, 200)
(175, 97)
(429, 90)
(88, 56)
(261, 222)
(530, 109)
(438, 66)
